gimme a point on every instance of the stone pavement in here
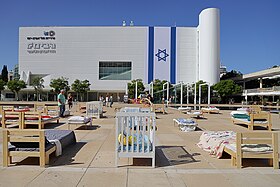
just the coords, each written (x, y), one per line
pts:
(179, 162)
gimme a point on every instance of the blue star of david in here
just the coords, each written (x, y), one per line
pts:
(162, 55)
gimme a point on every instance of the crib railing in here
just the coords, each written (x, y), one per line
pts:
(135, 135)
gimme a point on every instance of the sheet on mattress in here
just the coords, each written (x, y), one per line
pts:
(66, 137)
(78, 119)
(259, 121)
(35, 149)
(256, 148)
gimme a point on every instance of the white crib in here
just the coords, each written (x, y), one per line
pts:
(94, 109)
(135, 135)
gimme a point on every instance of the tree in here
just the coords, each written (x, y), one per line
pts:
(231, 74)
(2, 87)
(158, 85)
(132, 86)
(4, 74)
(226, 88)
(81, 87)
(37, 84)
(16, 85)
(60, 84)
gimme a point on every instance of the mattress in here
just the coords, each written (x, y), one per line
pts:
(66, 137)
(240, 114)
(248, 121)
(78, 119)
(256, 148)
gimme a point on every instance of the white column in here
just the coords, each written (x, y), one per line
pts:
(194, 96)
(136, 91)
(181, 94)
(199, 95)
(187, 93)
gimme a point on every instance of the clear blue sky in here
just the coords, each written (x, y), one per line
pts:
(250, 29)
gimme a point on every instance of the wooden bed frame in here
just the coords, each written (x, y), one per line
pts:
(158, 108)
(215, 111)
(270, 138)
(51, 110)
(25, 136)
(7, 108)
(36, 115)
(256, 116)
(17, 116)
(154, 107)
(39, 107)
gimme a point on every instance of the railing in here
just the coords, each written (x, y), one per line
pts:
(259, 90)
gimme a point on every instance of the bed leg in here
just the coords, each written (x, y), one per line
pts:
(233, 161)
(42, 161)
(5, 149)
(250, 127)
(47, 159)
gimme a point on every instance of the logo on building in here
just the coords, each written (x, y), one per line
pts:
(49, 33)
(162, 55)
(43, 44)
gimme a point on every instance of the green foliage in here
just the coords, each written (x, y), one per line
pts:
(158, 85)
(226, 88)
(81, 86)
(231, 74)
(267, 83)
(37, 84)
(60, 84)
(132, 85)
(4, 74)
(16, 85)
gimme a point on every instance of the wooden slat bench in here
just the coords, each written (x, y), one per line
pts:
(24, 137)
(269, 138)
(262, 119)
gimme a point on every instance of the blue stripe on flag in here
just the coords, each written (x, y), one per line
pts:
(151, 55)
(173, 56)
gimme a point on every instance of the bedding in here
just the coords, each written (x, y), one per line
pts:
(185, 125)
(214, 142)
(65, 138)
(79, 119)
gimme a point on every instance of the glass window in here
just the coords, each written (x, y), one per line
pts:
(114, 70)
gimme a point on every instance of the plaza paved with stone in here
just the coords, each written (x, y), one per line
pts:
(179, 162)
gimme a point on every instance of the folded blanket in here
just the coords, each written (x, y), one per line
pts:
(58, 150)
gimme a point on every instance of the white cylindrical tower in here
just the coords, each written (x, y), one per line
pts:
(209, 45)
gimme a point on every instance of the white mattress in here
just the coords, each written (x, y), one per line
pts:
(78, 119)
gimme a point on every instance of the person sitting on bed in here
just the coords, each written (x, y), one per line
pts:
(61, 103)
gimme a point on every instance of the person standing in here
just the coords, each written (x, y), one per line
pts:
(61, 103)
(107, 100)
(111, 101)
(70, 101)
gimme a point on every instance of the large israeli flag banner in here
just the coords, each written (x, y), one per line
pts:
(162, 53)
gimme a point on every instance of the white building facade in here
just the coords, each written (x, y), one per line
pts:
(110, 57)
